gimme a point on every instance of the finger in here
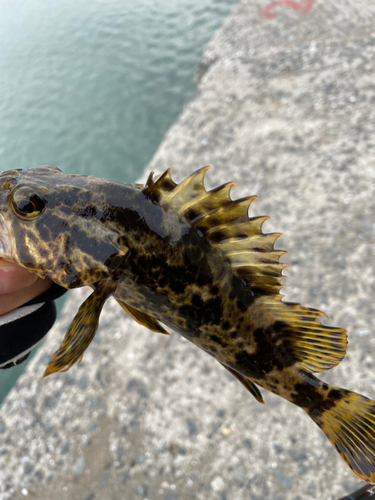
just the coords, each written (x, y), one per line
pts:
(13, 277)
(12, 300)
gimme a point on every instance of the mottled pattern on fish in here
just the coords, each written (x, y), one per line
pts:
(178, 255)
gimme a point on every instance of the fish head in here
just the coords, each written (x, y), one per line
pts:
(50, 226)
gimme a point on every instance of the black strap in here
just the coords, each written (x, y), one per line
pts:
(22, 328)
(365, 493)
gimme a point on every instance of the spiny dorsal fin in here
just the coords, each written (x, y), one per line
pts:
(226, 224)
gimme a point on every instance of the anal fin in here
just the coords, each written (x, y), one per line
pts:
(248, 384)
(143, 318)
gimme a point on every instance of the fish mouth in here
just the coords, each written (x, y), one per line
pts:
(5, 243)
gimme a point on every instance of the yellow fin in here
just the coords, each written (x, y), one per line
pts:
(258, 242)
(81, 330)
(186, 193)
(143, 318)
(226, 224)
(157, 188)
(248, 384)
(348, 421)
(316, 347)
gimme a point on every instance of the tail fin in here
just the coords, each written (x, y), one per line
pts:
(348, 421)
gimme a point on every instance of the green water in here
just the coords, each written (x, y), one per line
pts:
(91, 86)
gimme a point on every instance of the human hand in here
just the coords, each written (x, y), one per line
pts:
(18, 286)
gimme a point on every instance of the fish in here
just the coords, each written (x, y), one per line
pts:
(177, 256)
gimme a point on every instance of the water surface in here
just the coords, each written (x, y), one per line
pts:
(92, 86)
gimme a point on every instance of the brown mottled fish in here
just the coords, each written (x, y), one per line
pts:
(178, 255)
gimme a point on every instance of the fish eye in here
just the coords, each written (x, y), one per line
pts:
(26, 203)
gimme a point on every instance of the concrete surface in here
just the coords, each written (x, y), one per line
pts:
(285, 106)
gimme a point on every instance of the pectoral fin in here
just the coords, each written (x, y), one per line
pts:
(143, 318)
(248, 384)
(81, 330)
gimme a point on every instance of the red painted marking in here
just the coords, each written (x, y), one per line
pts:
(301, 7)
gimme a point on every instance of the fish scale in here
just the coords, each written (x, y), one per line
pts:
(179, 256)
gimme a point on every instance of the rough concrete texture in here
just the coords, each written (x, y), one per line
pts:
(285, 106)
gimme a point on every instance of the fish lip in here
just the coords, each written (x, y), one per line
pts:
(5, 242)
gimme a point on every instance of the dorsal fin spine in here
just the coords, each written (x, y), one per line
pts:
(196, 176)
(150, 180)
(233, 211)
(223, 187)
(165, 175)
(254, 226)
(259, 242)
(203, 215)
(274, 255)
